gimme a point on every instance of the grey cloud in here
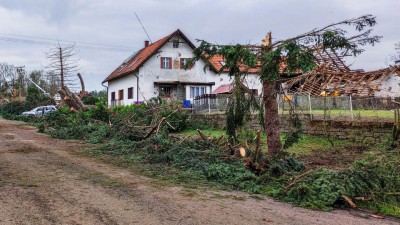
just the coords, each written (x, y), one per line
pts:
(225, 21)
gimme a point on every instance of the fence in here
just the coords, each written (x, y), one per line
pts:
(339, 107)
(210, 103)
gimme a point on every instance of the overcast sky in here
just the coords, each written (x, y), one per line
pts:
(27, 27)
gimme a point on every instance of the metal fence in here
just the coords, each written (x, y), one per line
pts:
(210, 103)
(339, 107)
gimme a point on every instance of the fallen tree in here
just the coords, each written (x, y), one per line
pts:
(71, 100)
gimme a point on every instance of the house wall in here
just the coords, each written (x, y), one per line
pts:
(123, 83)
(152, 72)
(390, 87)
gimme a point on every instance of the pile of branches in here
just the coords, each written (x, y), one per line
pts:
(371, 182)
(145, 122)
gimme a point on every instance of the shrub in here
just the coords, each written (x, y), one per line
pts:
(58, 118)
(90, 100)
(13, 108)
(100, 112)
(178, 119)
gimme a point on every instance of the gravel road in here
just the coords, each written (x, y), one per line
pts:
(43, 182)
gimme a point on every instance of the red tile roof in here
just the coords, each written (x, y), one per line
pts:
(217, 65)
(225, 88)
(132, 64)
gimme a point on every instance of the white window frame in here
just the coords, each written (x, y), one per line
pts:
(197, 91)
(166, 62)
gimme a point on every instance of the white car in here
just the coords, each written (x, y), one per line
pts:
(39, 111)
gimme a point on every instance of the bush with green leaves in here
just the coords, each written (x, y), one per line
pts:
(192, 160)
(90, 100)
(100, 112)
(35, 98)
(13, 108)
(377, 177)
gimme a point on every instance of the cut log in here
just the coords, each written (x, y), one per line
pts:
(242, 152)
(349, 201)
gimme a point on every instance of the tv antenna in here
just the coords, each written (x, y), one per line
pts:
(143, 27)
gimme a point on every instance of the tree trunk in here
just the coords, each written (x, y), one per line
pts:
(271, 117)
(71, 99)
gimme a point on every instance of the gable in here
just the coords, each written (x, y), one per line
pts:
(135, 61)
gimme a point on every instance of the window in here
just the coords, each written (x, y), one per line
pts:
(166, 62)
(175, 43)
(120, 94)
(196, 91)
(222, 63)
(130, 93)
(184, 62)
(165, 91)
(113, 96)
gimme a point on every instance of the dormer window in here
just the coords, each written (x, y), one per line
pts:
(222, 63)
(175, 43)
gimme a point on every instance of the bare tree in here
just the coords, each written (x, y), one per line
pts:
(396, 58)
(63, 65)
(53, 83)
(8, 78)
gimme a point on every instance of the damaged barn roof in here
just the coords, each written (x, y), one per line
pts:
(333, 74)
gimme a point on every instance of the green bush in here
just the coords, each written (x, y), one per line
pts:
(58, 118)
(375, 177)
(90, 100)
(13, 108)
(101, 133)
(78, 132)
(177, 119)
(100, 112)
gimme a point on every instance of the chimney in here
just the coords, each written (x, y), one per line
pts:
(146, 43)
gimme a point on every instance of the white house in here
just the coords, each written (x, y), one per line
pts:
(157, 70)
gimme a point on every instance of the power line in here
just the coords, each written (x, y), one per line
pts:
(25, 39)
(78, 42)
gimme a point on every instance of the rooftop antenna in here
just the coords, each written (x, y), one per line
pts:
(143, 27)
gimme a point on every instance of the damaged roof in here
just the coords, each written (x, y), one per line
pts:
(333, 74)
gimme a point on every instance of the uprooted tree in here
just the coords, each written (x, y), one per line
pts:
(291, 56)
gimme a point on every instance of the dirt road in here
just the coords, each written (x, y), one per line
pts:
(43, 182)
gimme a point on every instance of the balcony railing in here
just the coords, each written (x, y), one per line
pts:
(117, 103)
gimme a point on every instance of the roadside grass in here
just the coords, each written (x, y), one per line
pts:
(357, 114)
(305, 146)
(309, 144)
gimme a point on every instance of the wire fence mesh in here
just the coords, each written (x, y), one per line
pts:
(320, 107)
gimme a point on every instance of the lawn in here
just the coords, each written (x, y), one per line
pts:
(357, 114)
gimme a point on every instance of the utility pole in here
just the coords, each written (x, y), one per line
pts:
(21, 75)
